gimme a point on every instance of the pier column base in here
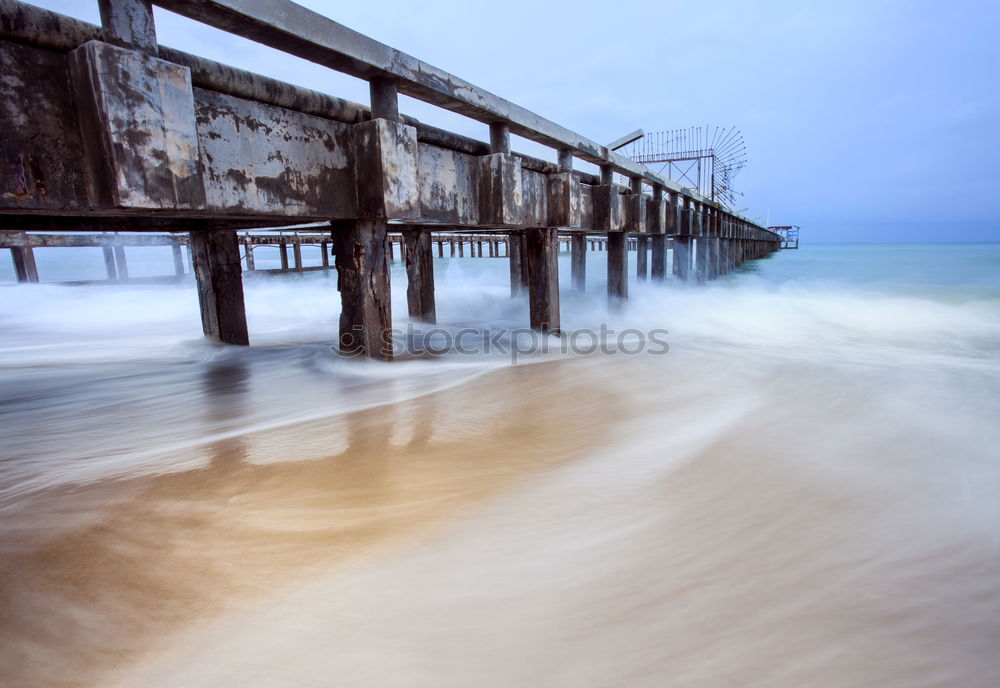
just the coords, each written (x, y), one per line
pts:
(642, 257)
(578, 262)
(617, 267)
(701, 257)
(109, 263)
(219, 274)
(248, 254)
(120, 263)
(682, 258)
(178, 259)
(714, 258)
(658, 268)
(518, 263)
(362, 260)
(420, 275)
(24, 264)
(542, 257)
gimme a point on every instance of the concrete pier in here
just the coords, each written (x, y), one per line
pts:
(127, 137)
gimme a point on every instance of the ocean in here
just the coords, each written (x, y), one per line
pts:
(787, 477)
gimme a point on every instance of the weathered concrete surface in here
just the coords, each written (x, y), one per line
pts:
(501, 190)
(617, 268)
(129, 23)
(608, 212)
(578, 264)
(449, 186)
(40, 146)
(24, 264)
(642, 257)
(262, 159)
(420, 275)
(138, 129)
(635, 213)
(542, 253)
(363, 281)
(219, 273)
(565, 200)
(658, 257)
(681, 265)
(385, 164)
(545, 201)
(518, 267)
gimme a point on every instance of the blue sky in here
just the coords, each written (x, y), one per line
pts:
(864, 121)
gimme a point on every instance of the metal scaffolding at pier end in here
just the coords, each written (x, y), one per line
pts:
(789, 235)
(703, 159)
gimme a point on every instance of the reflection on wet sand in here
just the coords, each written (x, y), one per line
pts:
(105, 571)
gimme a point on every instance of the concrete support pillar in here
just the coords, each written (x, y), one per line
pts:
(451, 243)
(542, 257)
(178, 259)
(713, 258)
(617, 268)
(362, 261)
(248, 253)
(420, 275)
(642, 257)
(658, 270)
(219, 275)
(701, 254)
(682, 258)
(297, 255)
(109, 263)
(499, 137)
(324, 249)
(518, 262)
(283, 250)
(384, 99)
(461, 248)
(24, 264)
(129, 23)
(120, 263)
(578, 262)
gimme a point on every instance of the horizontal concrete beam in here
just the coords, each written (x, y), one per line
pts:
(299, 31)
(267, 181)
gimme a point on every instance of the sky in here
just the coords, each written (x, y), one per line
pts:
(864, 121)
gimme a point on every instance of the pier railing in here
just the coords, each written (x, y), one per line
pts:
(299, 31)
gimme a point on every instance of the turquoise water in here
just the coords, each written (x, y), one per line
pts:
(924, 267)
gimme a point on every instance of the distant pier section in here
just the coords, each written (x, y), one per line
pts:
(106, 130)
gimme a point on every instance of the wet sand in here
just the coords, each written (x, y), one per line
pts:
(583, 522)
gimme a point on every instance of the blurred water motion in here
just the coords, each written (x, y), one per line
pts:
(802, 492)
